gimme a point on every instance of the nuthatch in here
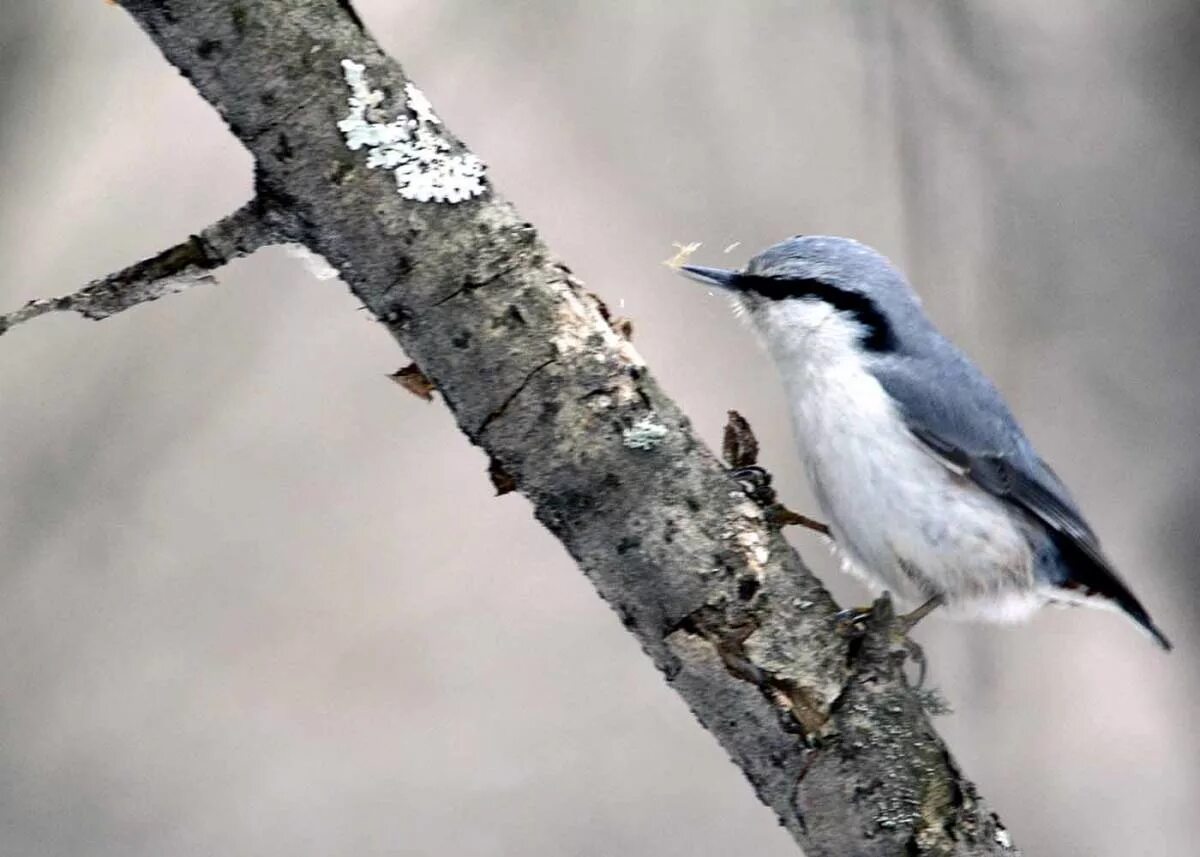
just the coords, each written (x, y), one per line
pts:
(932, 490)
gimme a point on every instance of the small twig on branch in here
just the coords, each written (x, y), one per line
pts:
(174, 270)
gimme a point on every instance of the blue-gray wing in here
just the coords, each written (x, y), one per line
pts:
(952, 409)
(955, 411)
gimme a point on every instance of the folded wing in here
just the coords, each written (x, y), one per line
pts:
(970, 429)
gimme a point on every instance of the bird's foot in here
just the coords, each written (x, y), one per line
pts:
(756, 482)
(905, 622)
(853, 622)
(912, 650)
(740, 450)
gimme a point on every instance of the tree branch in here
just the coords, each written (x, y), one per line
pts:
(174, 270)
(350, 160)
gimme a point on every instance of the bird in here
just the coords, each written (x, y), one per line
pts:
(932, 490)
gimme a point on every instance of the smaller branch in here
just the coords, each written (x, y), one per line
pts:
(174, 270)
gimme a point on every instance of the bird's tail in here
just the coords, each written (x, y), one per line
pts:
(1091, 580)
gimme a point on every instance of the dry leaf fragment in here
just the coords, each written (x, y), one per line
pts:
(739, 445)
(415, 381)
(502, 480)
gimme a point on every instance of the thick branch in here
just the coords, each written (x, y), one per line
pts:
(174, 270)
(827, 730)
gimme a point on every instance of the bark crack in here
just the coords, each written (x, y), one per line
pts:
(470, 285)
(499, 410)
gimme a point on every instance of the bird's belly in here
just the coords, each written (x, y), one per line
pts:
(899, 517)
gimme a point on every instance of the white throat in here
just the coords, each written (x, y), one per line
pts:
(809, 335)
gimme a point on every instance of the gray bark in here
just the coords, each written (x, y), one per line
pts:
(826, 728)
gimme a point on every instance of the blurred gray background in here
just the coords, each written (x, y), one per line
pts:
(256, 600)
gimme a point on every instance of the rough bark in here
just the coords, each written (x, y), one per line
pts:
(826, 728)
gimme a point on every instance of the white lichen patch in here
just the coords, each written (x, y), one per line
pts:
(644, 434)
(419, 104)
(410, 146)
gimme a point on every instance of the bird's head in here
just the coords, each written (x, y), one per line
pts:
(835, 288)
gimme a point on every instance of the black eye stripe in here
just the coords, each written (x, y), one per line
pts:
(879, 335)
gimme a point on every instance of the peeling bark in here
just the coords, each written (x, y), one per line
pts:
(826, 728)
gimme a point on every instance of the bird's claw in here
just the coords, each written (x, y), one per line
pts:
(756, 482)
(852, 622)
(911, 649)
(901, 627)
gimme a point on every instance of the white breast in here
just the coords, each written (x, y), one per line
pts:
(899, 517)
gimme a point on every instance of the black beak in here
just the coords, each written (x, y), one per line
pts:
(711, 276)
